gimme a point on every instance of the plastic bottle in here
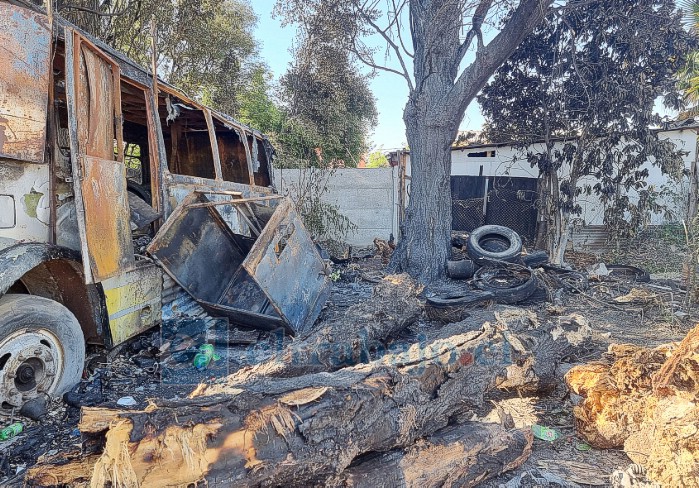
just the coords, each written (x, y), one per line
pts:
(11, 430)
(204, 356)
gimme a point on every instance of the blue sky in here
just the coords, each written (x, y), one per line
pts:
(390, 90)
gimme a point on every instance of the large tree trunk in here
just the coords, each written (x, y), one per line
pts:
(436, 105)
(426, 234)
(305, 431)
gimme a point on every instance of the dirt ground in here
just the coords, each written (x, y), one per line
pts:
(158, 365)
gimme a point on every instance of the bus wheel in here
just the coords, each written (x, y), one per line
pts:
(42, 349)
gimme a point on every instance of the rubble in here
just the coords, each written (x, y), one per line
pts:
(378, 392)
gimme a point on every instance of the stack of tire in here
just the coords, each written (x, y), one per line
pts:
(496, 269)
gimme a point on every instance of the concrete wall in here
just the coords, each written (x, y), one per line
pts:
(368, 197)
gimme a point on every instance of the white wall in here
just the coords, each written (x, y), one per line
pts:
(368, 197)
(509, 161)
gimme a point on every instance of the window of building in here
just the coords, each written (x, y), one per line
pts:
(231, 150)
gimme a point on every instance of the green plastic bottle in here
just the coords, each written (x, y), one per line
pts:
(205, 356)
(11, 430)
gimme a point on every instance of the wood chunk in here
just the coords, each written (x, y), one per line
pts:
(645, 400)
(459, 455)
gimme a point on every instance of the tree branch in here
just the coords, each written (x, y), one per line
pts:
(371, 64)
(478, 19)
(95, 12)
(391, 43)
(397, 10)
(523, 21)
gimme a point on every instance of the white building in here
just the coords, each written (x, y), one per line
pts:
(495, 163)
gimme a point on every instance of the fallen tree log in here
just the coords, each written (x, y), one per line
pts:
(460, 455)
(305, 430)
(645, 400)
(347, 340)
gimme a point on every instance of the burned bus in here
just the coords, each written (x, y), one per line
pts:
(119, 195)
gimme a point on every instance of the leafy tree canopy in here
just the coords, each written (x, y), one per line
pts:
(205, 47)
(377, 159)
(327, 100)
(589, 78)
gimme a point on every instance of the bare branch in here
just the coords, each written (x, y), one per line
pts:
(371, 64)
(524, 19)
(398, 27)
(391, 43)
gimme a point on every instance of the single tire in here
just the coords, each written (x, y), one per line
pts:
(535, 259)
(508, 284)
(42, 349)
(460, 270)
(494, 242)
(631, 273)
(458, 299)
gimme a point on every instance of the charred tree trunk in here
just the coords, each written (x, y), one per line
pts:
(348, 340)
(644, 400)
(459, 455)
(304, 431)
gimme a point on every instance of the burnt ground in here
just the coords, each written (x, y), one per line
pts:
(158, 365)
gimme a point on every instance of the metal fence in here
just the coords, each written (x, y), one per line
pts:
(510, 202)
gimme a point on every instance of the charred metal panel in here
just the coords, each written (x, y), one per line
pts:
(55, 272)
(234, 275)
(107, 217)
(102, 206)
(198, 250)
(28, 186)
(285, 263)
(95, 90)
(133, 301)
(25, 39)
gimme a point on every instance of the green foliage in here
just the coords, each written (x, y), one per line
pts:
(585, 83)
(322, 219)
(257, 108)
(688, 77)
(205, 47)
(329, 108)
(377, 159)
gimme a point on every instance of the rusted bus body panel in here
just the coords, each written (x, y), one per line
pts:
(257, 279)
(105, 227)
(133, 301)
(25, 38)
(107, 231)
(24, 201)
(55, 272)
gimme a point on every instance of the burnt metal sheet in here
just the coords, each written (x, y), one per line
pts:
(133, 301)
(232, 274)
(100, 189)
(285, 263)
(107, 217)
(25, 40)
